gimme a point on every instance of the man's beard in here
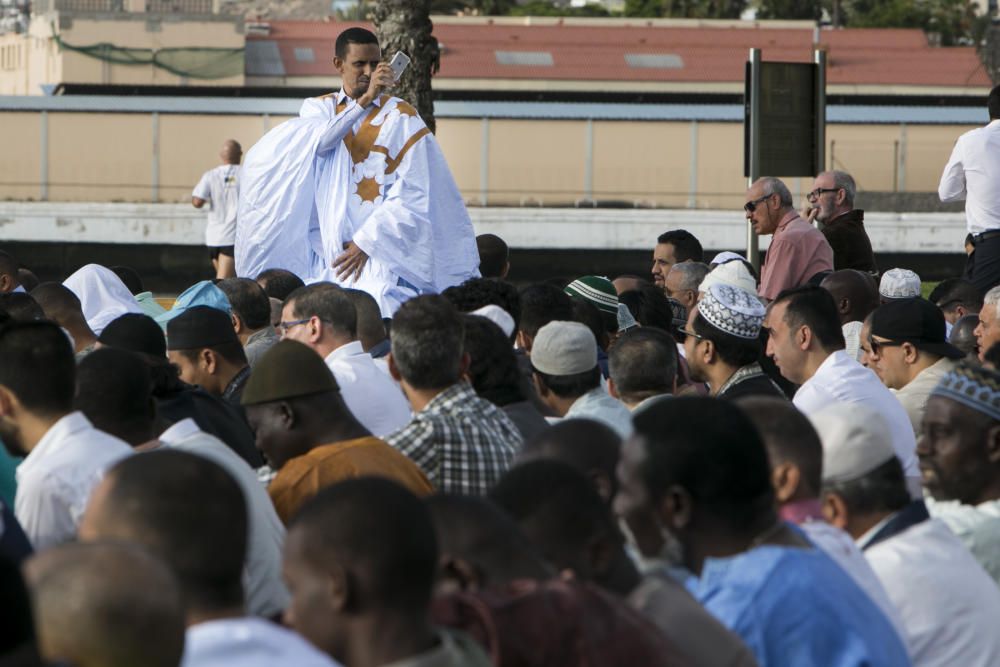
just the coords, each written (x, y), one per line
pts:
(671, 552)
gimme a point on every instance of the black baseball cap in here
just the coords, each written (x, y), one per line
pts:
(916, 321)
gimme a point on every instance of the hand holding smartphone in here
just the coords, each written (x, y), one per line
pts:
(398, 64)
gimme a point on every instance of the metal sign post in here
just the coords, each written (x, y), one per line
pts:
(752, 112)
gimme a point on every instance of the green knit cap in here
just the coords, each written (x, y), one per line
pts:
(288, 370)
(596, 289)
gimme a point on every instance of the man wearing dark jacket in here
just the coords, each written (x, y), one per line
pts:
(831, 204)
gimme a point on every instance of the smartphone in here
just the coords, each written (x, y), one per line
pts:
(399, 63)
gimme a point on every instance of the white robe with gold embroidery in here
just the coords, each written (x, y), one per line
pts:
(374, 176)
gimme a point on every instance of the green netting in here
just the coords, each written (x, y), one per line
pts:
(194, 62)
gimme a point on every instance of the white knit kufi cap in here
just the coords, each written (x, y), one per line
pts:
(856, 440)
(732, 310)
(734, 274)
(899, 284)
(497, 316)
(564, 348)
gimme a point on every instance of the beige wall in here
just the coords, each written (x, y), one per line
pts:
(110, 157)
(39, 60)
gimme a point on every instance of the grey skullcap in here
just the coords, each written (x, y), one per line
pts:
(732, 310)
(856, 440)
(564, 348)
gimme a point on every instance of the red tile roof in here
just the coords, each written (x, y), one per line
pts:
(710, 54)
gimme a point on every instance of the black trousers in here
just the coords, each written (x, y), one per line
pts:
(983, 266)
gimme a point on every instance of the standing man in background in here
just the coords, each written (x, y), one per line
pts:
(972, 174)
(219, 188)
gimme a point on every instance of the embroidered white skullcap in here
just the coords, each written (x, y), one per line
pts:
(732, 310)
(734, 274)
(497, 316)
(856, 440)
(899, 284)
(625, 318)
(725, 257)
(564, 348)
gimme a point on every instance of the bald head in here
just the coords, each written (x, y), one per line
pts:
(106, 605)
(231, 152)
(854, 293)
(587, 445)
(963, 334)
(480, 546)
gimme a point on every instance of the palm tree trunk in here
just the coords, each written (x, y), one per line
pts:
(405, 25)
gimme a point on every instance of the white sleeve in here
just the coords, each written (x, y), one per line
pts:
(203, 190)
(952, 186)
(338, 126)
(43, 514)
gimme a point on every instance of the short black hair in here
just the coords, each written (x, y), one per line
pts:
(493, 255)
(329, 303)
(587, 314)
(733, 351)
(353, 36)
(381, 533)
(493, 368)
(371, 327)
(188, 511)
(788, 435)
(571, 386)
(585, 444)
(38, 366)
(993, 103)
(814, 307)
(114, 389)
(8, 265)
(59, 303)
(21, 307)
(557, 507)
(476, 293)
(427, 337)
(249, 301)
(233, 352)
(881, 490)
(953, 292)
(711, 449)
(27, 278)
(543, 303)
(131, 278)
(643, 363)
(278, 283)
(650, 307)
(686, 245)
(135, 332)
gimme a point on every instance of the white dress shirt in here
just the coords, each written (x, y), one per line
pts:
(949, 605)
(972, 174)
(56, 478)
(372, 397)
(266, 595)
(840, 379)
(248, 642)
(839, 546)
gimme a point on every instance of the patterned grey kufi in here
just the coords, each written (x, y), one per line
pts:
(732, 310)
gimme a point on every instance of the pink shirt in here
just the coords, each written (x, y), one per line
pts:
(797, 252)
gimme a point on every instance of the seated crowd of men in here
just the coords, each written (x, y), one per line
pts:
(705, 467)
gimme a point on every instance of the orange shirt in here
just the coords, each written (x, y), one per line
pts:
(304, 476)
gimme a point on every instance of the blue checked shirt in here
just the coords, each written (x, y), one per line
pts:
(462, 442)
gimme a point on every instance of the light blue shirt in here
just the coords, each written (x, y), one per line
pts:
(599, 405)
(797, 607)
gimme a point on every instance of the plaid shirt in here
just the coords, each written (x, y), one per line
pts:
(462, 442)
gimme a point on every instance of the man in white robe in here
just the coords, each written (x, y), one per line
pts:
(356, 191)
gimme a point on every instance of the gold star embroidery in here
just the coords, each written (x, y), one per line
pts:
(368, 189)
(405, 109)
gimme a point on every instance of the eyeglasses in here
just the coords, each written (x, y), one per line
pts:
(687, 332)
(877, 345)
(283, 327)
(818, 192)
(751, 205)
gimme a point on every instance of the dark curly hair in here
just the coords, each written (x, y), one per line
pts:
(475, 293)
(493, 369)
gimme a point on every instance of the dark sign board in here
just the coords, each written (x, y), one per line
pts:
(787, 117)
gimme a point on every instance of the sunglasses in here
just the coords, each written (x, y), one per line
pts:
(751, 205)
(877, 345)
